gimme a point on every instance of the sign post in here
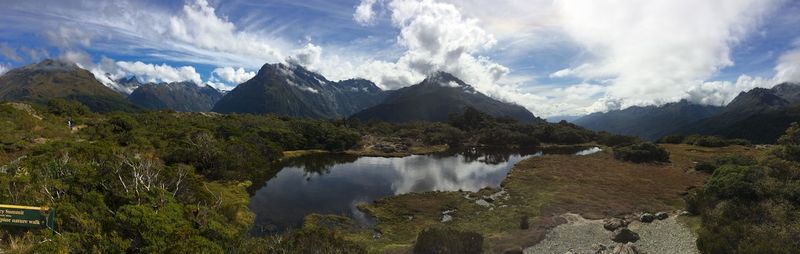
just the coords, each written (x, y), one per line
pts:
(27, 216)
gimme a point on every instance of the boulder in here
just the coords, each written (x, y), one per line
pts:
(662, 215)
(624, 235)
(614, 223)
(624, 249)
(647, 218)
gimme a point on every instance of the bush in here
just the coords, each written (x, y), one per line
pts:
(671, 139)
(613, 140)
(713, 141)
(705, 167)
(313, 240)
(64, 107)
(705, 141)
(641, 153)
(740, 160)
(438, 240)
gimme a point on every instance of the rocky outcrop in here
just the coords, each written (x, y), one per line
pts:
(624, 235)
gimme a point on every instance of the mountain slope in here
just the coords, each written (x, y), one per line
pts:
(291, 90)
(178, 96)
(436, 98)
(49, 79)
(650, 122)
(760, 115)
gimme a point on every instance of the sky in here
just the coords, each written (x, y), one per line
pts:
(554, 57)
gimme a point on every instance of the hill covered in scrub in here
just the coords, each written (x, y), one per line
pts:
(51, 79)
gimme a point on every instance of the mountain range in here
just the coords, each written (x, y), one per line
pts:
(49, 79)
(650, 122)
(760, 115)
(291, 90)
(178, 96)
(436, 98)
(281, 89)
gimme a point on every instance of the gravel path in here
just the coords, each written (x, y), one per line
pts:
(579, 234)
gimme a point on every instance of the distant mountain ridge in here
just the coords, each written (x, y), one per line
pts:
(649, 122)
(51, 79)
(178, 96)
(436, 98)
(292, 90)
(759, 115)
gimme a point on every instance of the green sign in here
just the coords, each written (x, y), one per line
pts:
(27, 216)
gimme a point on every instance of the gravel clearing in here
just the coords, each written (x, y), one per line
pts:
(579, 234)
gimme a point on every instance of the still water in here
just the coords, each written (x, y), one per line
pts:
(335, 184)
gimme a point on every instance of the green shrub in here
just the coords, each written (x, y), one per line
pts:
(706, 141)
(64, 107)
(313, 240)
(741, 160)
(705, 167)
(613, 140)
(440, 241)
(641, 153)
(671, 139)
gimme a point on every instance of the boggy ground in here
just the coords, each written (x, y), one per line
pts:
(541, 188)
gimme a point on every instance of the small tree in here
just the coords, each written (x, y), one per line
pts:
(641, 153)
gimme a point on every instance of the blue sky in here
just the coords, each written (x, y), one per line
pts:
(555, 57)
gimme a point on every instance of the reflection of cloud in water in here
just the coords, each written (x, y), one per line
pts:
(424, 173)
(336, 184)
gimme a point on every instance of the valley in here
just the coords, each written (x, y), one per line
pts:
(297, 163)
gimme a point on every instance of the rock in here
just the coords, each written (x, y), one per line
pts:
(446, 218)
(661, 215)
(483, 203)
(597, 249)
(647, 218)
(614, 223)
(624, 235)
(624, 249)
(514, 251)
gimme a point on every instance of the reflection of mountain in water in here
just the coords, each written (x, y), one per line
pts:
(319, 164)
(334, 184)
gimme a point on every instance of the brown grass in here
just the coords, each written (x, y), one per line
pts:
(594, 186)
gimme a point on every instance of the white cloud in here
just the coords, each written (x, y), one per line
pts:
(35, 54)
(788, 68)
(364, 14)
(3, 69)
(655, 50)
(309, 56)
(720, 93)
(199, 26)
(67, 37)
(160, 73)
(9, 53)
(76, 56)
(231, 75)
(435, 37)
(723, 92)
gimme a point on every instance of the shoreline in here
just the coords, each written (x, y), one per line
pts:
(543, 188)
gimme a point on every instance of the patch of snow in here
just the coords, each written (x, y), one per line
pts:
(589, 151)
(450, 84)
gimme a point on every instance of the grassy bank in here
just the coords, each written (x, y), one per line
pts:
(541, 188)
